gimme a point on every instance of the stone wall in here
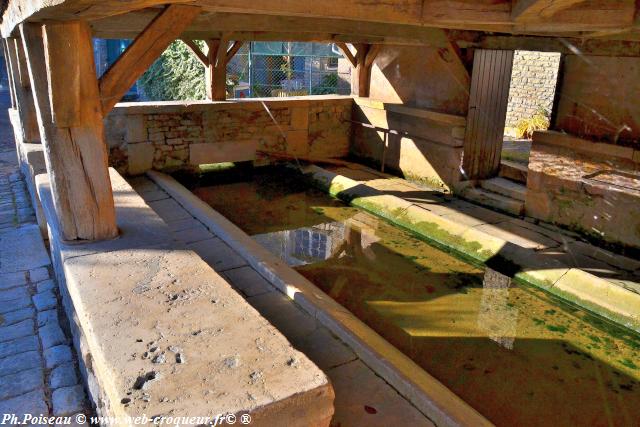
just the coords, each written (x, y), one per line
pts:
(421, 145)
(533, 84)
(600, 99)
(178, 135)
(571, 182)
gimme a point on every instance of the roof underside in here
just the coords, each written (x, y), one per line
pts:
(546, 24)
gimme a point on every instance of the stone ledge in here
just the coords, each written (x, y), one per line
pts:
(415, 384)
(128, 296)
(579, 287)
(168, 107)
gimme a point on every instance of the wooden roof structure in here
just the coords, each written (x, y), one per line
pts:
(600, 26)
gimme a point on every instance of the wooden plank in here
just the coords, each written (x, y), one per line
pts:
(540, 9)
(347, 53)
(76, 156)
(195, 49)
(487, 113)
(21, 89)
(144, 50)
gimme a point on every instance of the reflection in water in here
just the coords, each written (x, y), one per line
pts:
(496, 315)
(515, 354)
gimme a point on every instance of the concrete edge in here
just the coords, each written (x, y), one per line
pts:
(575, 286)
(425, 392)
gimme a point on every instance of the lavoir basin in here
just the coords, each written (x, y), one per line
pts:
(516, 354)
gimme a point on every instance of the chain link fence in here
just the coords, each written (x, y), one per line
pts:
(278, 69)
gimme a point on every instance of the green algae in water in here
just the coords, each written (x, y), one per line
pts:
(515, 353)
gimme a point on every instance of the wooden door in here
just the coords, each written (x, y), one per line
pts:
(487, 113)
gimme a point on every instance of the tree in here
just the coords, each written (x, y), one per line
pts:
(176, 75)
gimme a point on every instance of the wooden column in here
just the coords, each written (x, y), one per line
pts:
(21, 87)
(216, 73)
(361, 80)
(69, 112)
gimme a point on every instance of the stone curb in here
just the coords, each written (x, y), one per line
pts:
(425, 392)
(573, 285)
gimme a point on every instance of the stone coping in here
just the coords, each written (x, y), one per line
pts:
(430, 396)
(600, 149)
(161, 107)
(161, 333)
(573, 285)
(423, 113)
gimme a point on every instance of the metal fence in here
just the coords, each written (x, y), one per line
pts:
(277, 69)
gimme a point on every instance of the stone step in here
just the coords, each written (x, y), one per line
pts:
(494, 200)
(505, 187)
(514, 171)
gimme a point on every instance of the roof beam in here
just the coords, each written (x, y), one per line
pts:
(540, 9)
(347, 53)
(195, 49)
(144, 50)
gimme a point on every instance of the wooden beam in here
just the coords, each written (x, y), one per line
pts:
(235, 47)
(21, 87)
(567, 45)
(217, 71)
(347, 53)
(144, 50)
(195, 49)
(361, 74)
(76, 155)
(540, 9)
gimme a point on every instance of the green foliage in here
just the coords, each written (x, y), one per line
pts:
(328, 85)
(176, 75)
(539, 121)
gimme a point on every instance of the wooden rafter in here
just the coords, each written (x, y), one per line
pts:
(540, 9)
(144, 50)
(235, 47)
(347, 54)
(195, 49)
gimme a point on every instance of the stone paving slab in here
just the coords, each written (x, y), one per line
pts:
(369, 401)
(22, 249)
(217, 254)
(24, 270)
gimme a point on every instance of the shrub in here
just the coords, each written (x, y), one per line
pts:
(539, 121)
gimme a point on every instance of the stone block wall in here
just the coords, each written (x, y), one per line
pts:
(533, 84)
(421, 145)
(585, 186)
(179, 135)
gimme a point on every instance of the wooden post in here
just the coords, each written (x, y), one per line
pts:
(218, 56)
(216, 76)
(65, 88)
(21, 87)
(365, 56)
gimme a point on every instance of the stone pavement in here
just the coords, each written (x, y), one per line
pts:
(38, 371)
(362, 397)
